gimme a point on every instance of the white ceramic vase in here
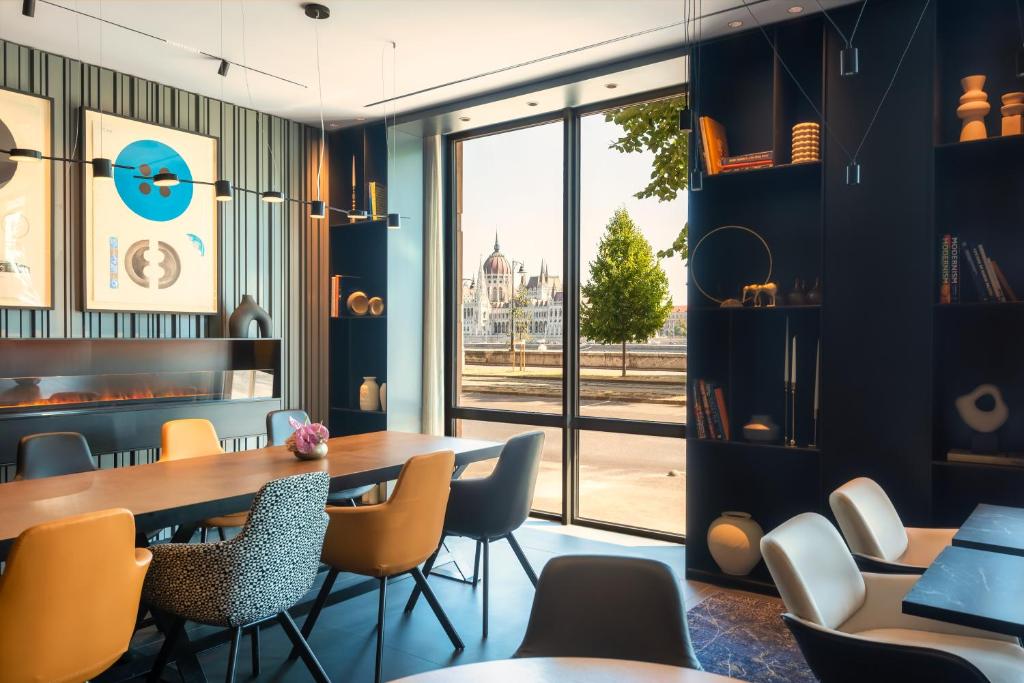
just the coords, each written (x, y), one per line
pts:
(384, 397)
(973, 108)
(734, 540)
(369, 394)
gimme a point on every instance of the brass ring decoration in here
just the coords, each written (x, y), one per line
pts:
(693, 259)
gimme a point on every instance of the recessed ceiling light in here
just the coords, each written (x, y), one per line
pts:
(795, 9)
(611, 86)
(736, 23)
(463, 118)
(334, 124)
(360, 118)
(531, 103)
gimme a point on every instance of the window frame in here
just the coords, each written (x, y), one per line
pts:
(570, 422)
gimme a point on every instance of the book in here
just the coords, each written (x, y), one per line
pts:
(722, 411)
(709, 416)
(747, 166)
(944, 297)
(698, 414)
(714, 143)
(767, 155)
(993, 281)
(954, 269)
(715, 415)
(972, 268)
(989, 292)
(1004, 283)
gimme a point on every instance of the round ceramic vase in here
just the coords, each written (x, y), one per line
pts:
(369, 394)
(734, 540)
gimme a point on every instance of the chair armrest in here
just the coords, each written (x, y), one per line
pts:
(883, 608)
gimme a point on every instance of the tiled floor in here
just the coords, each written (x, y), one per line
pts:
(344, 638)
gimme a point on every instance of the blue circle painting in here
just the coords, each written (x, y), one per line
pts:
(149, 157)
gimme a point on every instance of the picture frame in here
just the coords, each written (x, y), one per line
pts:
(147, 248)
(26, 202)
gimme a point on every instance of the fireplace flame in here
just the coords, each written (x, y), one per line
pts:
(30, 396)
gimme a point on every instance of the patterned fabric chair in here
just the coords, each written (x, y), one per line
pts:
(253, 578)
(278, 431)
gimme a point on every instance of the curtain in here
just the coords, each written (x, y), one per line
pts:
(433, 286)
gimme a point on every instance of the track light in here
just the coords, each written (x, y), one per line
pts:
(28, 8)
(102, 168)
(317, 209)
(165, 179)
(222, 70)
(223, 189)
(272, 197)
(394, 221)
(18, 154)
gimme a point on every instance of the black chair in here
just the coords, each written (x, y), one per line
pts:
(490, 508)
(278, 431)
(611, 607)
(52, 454)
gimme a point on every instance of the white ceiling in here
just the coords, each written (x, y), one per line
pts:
(438, 41)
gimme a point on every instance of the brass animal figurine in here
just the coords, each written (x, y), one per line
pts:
(753, 294)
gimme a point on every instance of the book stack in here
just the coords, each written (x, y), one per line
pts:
(744, 162)
(806, 142)
(987, 278)
(714, 146)
(710, 411)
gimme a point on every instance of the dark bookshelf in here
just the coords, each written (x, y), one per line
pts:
(741, 349)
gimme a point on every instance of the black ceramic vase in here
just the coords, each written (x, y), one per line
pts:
(247, 311)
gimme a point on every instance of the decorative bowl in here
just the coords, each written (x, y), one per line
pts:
(357, 303)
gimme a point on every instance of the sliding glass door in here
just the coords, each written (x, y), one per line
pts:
(561, 314)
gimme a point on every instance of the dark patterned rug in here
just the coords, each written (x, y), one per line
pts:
(743, 636)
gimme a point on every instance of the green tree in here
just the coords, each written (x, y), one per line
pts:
(626, 298)
(654, 127)
(519, 326)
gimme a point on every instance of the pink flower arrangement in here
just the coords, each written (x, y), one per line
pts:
(307, 437)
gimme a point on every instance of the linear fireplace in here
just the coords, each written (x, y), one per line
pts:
(118, 392)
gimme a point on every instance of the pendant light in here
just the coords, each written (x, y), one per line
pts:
(165, 179)
(223, 190)
(28, 8)
(102, 168)
(20, 154)
(317, 207)
(272, 197)
(394, 221)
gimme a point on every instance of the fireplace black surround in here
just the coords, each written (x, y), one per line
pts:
(118, 392)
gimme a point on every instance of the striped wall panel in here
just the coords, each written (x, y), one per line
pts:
(273, 252)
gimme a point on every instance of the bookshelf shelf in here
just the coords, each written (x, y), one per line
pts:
(757, 446)
(755, 309)
(778, 168)
(983, 305)
(993, 143)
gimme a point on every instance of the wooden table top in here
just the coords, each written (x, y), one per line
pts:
(565, 670)
(972, 588)
(179, 491)
(996, 528)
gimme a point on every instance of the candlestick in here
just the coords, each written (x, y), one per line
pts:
(792, 410)
(785, 385)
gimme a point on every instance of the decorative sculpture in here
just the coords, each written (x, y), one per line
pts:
(983, 421)
(752, 294)
(973, 108)
(248, 311)
(1013, 113)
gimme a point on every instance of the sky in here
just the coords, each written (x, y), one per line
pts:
(512, 183)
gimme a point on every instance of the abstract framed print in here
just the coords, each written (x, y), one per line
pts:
(26, 203)
(147, 247)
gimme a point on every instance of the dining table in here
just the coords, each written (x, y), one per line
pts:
(179, 494)
(565, 670)
(996, 528)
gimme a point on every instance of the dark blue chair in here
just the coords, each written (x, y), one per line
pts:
(52, 454)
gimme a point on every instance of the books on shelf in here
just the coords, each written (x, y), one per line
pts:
(987, 278)
(710, 411)
(715, 151)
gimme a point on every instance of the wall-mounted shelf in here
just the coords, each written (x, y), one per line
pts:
(806, 166)
(755, 445)
(755, 309)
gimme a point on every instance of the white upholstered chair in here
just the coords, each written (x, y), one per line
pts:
(875, 532)
(850, 626)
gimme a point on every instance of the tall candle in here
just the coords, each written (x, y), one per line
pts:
(785, 355)
(793, 363)
(817, 377)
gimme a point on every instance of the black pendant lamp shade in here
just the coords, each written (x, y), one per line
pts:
(102, 168)
(272, 197)
(849, 61)
(685, 120)
(223, 189)
(317, 209)
(165, 179)
(357, 215)
(19, 154)
(394, 221)
(222, 70)
(28, 8)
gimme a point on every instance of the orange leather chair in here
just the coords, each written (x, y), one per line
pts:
(390, 539)
(69, 598)
(191, 438)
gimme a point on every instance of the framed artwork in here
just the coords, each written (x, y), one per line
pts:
(149, 248)
(26, 203)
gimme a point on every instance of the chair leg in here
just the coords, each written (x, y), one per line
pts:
(380, 628)
(427, 567)
(204, 533)
(236, 635)
(352, 503)
(221, 534)
(421, 582)
(171, 634)
(255, 637)
(318, 605)
(487, 578)
(299, 643)
(522, 558)
(476, 565)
